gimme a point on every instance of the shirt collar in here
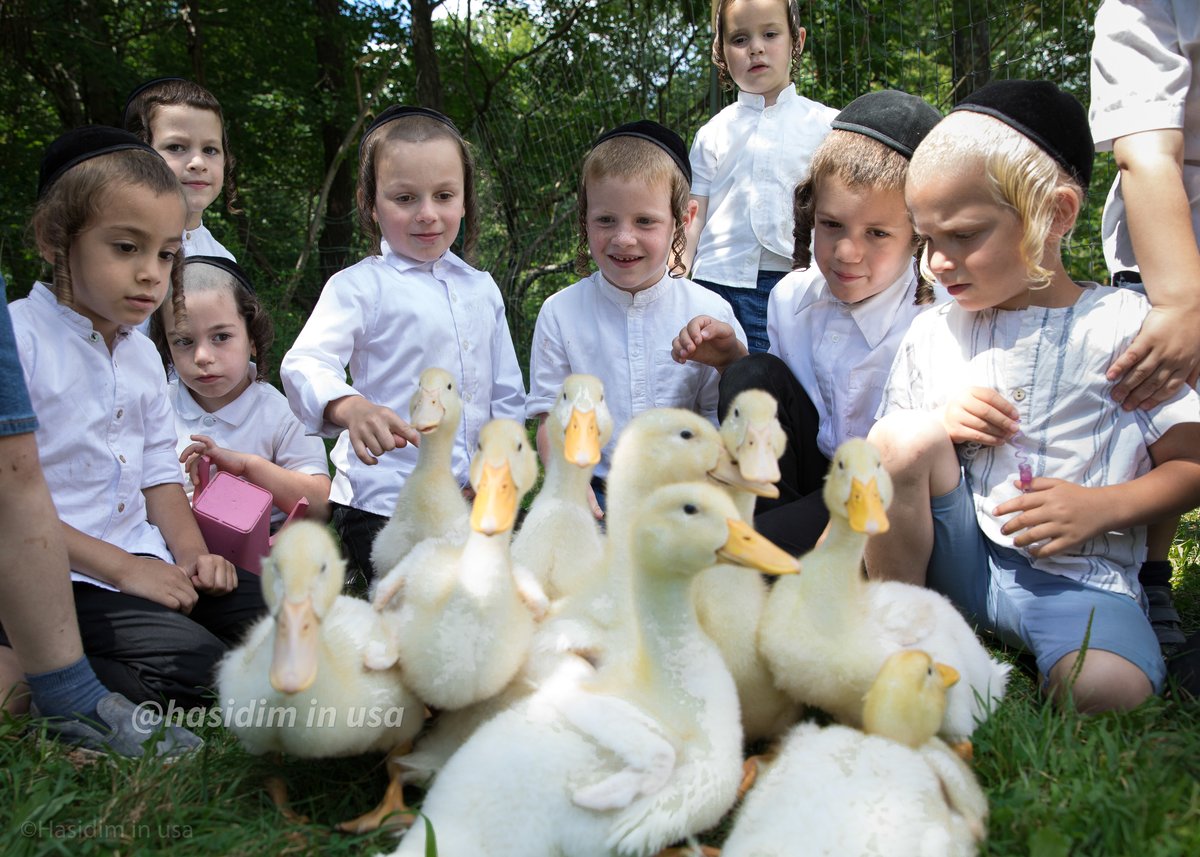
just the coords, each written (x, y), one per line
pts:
(235, 413)
(43, 295)
(403, 264)
(758, 102)
(874, 316)
(625, 299)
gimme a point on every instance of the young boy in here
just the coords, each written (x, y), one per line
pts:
(1022, 487)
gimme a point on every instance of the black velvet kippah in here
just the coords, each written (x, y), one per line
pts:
(399, 111)
(1051, 118)
(83, 144)
(659, 135)
(228, 265)
(142, 87)
(898, 120)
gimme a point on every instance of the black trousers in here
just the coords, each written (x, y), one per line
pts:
(357, 530)
(795, 520)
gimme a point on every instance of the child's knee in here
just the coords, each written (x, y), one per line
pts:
(913, 442)
(1105, 682)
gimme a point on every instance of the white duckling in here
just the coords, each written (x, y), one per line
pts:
(826, 635)
(560, 540)
(464, 620)
(430, 503)
(729, 602)
(301, 667)
(621, 761)
(897, 791)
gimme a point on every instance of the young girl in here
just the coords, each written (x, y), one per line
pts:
(1022, 487)
(749, 157)
(183, 121)
(616, 323)
(224, 407)
(834, 330)
(391, 316)
(156, 609)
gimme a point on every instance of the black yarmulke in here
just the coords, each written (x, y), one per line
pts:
(228, 265)
(82, 144)
(659, 135)
(898, 120)
(399, 111)
(1051, 118)
(142, 87)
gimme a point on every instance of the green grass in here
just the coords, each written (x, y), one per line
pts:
(1059, 784)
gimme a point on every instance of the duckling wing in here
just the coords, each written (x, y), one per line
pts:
(962, 791)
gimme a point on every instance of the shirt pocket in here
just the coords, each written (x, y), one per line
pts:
(676, 386)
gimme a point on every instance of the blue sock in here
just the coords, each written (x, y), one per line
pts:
(73, 691)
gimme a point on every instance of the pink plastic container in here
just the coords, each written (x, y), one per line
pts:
(235, 517)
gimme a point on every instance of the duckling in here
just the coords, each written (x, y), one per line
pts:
(896, 790)
(465, 614)
(615, 761)
(430, 503)
(304, 661)
(560, 540)
(729, 602)
(826, 635)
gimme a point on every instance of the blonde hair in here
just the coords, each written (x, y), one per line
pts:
(415, 129)
(791, 11)
(1020, 175)
(77, 198)
(634, 158)
(859, 162)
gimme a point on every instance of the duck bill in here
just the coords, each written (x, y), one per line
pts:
(865, 508)
(948, 673)
(581, 444)
(748, 548)
(756, 458)
(728, 473)
(294, 663)
(495, 507)
(428, 411)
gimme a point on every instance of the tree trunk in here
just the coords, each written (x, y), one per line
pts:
(429, 80)
(333, 247)
(970, 51)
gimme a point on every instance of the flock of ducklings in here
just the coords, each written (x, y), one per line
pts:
(594, 688)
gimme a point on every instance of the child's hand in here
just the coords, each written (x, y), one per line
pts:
(1060, 515)
(597, 512)
(212, 574)
(981, 415)
(161, 582)
(223, 459)
(1163, 356)
(374, 429)
(709, 341)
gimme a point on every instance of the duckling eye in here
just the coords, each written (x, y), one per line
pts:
(520, 446)
(450, 385)
(841, 465)
(686, 434)
(737, 413)
(564, 397)
(690, 509)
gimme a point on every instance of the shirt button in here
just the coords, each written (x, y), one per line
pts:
(466, 345)
(95, 337)
(836, 338)
(120, 412)
(120, 507)
(1019, 395)
(208, 421)
(121, 458)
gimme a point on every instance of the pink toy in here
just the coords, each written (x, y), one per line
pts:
(235, 517)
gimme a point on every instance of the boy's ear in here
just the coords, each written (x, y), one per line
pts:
(800, 36)
(1066, 212)
(689, 213)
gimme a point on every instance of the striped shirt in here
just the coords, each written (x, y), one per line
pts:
(1050, 363)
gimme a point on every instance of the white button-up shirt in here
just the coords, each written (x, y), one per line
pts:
(624, 339)
(106, 426)
(1050, 363)
(387, 319)
(1145, 77)
(840, 353)
(747, 160)
(200, 242)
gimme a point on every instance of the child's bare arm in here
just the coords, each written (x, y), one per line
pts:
(168, 509)
(152, 579)
(286, 486)
(374, 429)
(1064, 515)
(980, 415)
(1166, 352)
(706, 340)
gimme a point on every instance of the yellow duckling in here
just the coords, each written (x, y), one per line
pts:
(897, 791)
(430, 503)
(560, 540)
(825, 635)
(460, 618)
(621, 761)
(299, 677)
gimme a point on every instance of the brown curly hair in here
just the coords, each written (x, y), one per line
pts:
(416, 129)
(139, 117)
(718, 46)
(79, 196)
(634, 158)
(198, 277)
(859, 162)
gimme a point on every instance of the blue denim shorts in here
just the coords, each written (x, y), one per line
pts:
(1048, 614)
(16, 413)
(750, 306)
